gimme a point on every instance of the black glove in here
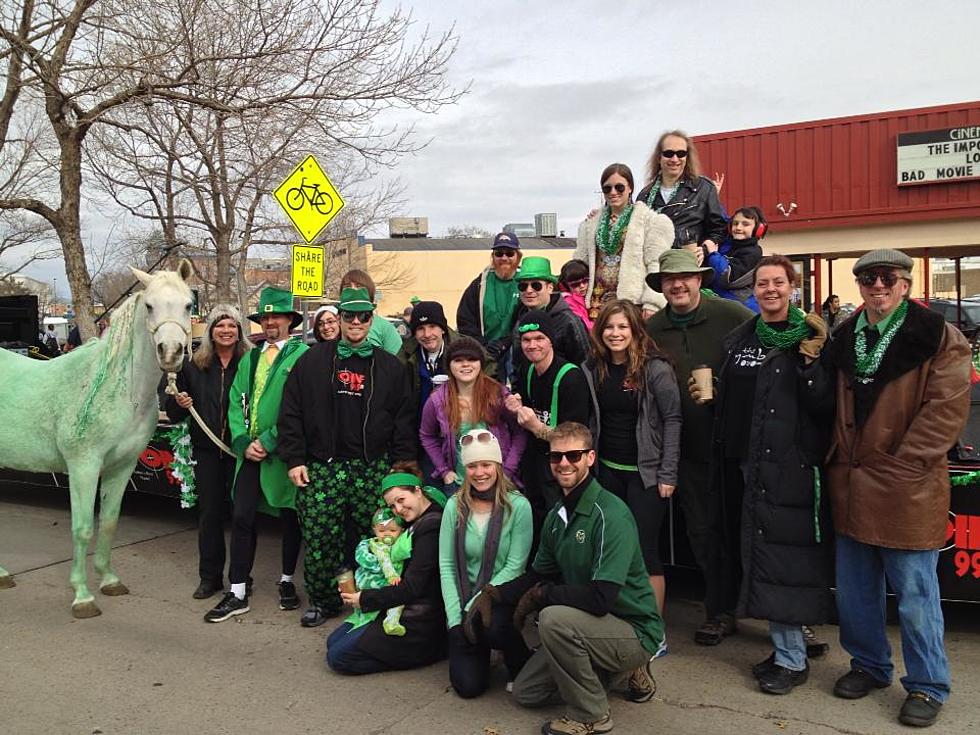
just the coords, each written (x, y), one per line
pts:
(496, 347)
(532, 601)
(482, 607)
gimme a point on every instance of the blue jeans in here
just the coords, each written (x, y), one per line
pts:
(344, 657)
(861, 573)
(789, 644)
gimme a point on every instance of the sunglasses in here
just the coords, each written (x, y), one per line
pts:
(671, 154)
(483, 437)
(525, 285)
(620, 188)
(361, 317)
(574, 456)
(868, 278)
(504, 253)
(577, 282)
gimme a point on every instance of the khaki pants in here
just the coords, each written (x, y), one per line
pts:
(579, 654)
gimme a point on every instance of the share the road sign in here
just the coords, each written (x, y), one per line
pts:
(309, 199)
(307, 271)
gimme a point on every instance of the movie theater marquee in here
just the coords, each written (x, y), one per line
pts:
(931, 156)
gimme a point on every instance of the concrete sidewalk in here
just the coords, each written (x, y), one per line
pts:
(150, 664)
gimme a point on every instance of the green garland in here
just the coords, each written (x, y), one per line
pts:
(866, 363)
(182, 466)
(655, 189)
(609, 242)
(786, 339)
(966, 479)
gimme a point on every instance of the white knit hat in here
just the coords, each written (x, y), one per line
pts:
(479, 445)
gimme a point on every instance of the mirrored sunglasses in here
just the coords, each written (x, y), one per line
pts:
(483, 437)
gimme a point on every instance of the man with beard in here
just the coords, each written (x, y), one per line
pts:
(261, 483)
(347, 415)
(691, 330)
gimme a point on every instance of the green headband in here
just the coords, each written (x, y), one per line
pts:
(383, 516)
(400, 479)
(529, 327)
(435, 495)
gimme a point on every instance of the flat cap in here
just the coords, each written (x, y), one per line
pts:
(883, 258)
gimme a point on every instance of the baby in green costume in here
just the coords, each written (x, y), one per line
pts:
(379, 563)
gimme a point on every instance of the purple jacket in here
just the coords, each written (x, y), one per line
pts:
(439, 441)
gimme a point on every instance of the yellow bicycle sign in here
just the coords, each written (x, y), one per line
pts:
(309, 198)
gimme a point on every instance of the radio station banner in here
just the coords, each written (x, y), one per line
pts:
(939, 156)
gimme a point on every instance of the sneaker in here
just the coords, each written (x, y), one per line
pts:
(229, 606)
(206, 589)
(815, 648)
(714, 630)
(509, 687)
(919, 710)
(640, 686)
(764, 666)
(857, 683)
(568, 726)
(661, 649)
(288, 599)
(316, 616)
(780, 680)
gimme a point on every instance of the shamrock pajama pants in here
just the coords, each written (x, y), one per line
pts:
(335, 511)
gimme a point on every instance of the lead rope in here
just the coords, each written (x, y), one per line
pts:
(171, 390)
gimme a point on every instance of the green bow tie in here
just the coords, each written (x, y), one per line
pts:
(345, 349)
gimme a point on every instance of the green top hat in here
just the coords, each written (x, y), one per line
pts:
(675, 261)
(355, 299)
(536, 268)
(274, 300)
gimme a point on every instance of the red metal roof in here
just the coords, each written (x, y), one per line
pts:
(840, 172)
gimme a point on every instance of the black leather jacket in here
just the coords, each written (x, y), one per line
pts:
(695, 210)
(209, 389)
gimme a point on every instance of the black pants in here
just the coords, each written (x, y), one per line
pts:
(213, 475)
(247, 492)
(540, 486)
(469, 664)
(724, 579)
(648, 508)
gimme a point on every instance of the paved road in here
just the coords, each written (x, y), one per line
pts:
(149, 664)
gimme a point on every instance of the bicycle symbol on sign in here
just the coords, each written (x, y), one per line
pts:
(309, 194)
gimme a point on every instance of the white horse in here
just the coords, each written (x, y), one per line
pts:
(104, 415)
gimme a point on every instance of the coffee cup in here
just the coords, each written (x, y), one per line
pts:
(704, 381)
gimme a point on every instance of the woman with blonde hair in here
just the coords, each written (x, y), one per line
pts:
(676, 188)
(484, 541)
(621, 244)
(204, 382)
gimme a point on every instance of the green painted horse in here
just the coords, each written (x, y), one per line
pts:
(104, 415)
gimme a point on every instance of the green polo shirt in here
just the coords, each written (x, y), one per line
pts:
(600, 543)
(881, 326)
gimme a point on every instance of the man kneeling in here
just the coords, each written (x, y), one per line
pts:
(599, 618)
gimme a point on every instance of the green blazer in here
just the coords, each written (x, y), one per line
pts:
(277, 490)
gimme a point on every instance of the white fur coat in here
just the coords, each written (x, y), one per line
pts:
(647, 236)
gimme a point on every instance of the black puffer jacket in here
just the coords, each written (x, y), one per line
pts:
(209, 389)
(787, 552)
(695, 210)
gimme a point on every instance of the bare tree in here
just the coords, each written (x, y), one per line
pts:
(335, 64)
(23, 240)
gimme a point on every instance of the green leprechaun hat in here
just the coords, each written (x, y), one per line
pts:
(274, 300)
(355, 299)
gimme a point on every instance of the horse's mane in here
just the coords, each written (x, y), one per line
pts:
(117, 344)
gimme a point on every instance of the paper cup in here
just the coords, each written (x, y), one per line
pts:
(703, 379)
(345, 581)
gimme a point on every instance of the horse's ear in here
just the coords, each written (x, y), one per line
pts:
(185, 269)
(142, 276)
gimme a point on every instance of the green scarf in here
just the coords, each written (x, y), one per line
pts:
(345, 349)
(786, 339)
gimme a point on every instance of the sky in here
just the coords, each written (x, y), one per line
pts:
(558, 90)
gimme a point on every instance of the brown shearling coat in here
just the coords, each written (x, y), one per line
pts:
(888, 478)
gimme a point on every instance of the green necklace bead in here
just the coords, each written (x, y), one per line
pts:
(787, 338)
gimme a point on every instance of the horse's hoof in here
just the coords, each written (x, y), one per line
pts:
(114, 590)
(82, 610)
(6, 582)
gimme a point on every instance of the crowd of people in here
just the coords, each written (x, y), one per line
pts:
(527, 460)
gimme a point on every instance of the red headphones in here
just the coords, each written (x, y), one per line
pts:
(761, 226)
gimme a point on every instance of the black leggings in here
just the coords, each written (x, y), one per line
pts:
(469, 664)
(647, 506)
(213, 475)
(247, 492)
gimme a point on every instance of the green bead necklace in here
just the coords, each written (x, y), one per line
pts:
(787, 338)
(866, 363)
(607, 241)
(655, 189)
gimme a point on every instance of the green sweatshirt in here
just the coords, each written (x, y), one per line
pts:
(512, 553)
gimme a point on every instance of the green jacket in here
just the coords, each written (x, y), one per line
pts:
(277, 490)
(698, 342)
